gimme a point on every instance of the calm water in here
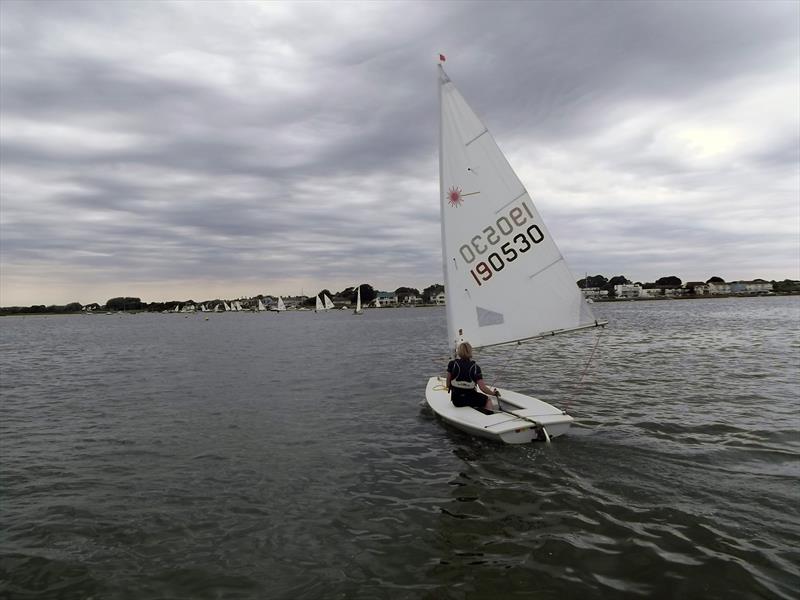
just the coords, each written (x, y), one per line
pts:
(288, 456)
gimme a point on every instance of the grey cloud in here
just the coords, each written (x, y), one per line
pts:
(303, 142)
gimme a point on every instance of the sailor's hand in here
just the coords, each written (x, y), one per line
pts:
(496, 392)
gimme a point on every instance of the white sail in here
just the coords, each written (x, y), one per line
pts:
(505, 278)
(328, 303)
(281, 305)
(226, 305)
(319, 305)
(358, 310)
(260, 306)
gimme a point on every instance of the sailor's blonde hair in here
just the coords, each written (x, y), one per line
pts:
(464, 351)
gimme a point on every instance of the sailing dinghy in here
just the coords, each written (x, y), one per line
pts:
(505, 279)
(279, 307)
(358, 310)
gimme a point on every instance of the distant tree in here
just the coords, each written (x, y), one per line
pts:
(669, 281)
(593, 281)
(431, 291)
(367, 293)
(787, 286)
(124, 303)
(403, 292)
(73, 307)
(716, 280)
(616, 280)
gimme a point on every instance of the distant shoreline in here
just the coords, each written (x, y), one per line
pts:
(595, 301)
(700, 297)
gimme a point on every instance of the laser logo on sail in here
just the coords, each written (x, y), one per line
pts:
(454, 196)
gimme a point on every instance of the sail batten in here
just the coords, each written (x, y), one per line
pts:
(543, 269)
(493, 238)
(510, 202)
(476, 137)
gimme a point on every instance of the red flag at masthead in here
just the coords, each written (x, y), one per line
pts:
(442, 58)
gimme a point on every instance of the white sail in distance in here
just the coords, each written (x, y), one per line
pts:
(328, 303)
(281, 305)
(318, 305)
(505, 278)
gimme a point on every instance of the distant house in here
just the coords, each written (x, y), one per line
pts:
(385, 299)
(411, 299)
(438, 298)
(593, 292)
(750, 287)
(628, 290)
(715, 287)
(698, 288)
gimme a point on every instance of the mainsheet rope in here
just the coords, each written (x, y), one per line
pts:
(585, 369)
(568, 402)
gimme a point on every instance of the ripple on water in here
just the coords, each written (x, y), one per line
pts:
(289, 457)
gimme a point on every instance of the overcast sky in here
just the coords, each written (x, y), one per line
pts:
(202, 150)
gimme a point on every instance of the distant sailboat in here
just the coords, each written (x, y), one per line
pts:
(260, 307)
(319, 306)
(328, 304)
(358, 310)
(226, 305)
(281, 306)
(505, 279)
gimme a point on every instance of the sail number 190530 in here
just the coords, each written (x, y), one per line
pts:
(513, 226)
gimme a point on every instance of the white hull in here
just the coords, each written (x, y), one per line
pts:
(500, 426)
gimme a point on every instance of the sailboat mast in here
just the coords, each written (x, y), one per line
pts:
(442, 78)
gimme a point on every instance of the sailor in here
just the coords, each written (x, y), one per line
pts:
(464, 377)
